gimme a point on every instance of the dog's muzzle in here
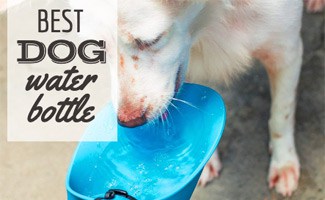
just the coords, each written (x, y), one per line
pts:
(131, 119)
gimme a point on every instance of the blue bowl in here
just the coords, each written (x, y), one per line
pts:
(159, 160)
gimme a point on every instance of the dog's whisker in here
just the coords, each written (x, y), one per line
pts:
(167, 121)
(161, 117)
(171, 103)
(185, 102)
(171, 118)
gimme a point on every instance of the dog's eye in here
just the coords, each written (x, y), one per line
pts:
(142, 44)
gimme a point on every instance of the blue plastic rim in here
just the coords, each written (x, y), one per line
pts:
(160, 160)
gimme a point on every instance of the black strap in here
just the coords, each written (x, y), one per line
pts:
(110, 194)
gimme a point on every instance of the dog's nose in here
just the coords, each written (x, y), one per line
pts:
(134, 122)
(131, 119)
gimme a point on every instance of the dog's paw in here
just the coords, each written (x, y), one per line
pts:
(315, 5)
(284, 177)
(211, 170)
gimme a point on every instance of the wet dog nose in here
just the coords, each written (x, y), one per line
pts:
(131, 119)
(134, 122)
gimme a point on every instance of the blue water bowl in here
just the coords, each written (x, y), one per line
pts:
(162, 159)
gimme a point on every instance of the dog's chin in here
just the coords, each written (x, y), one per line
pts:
(163, 114)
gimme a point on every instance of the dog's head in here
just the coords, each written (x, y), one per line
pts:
(154, 40)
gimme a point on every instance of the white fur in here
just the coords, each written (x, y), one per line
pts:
(4, 4)
(226, 47)
(217, 40)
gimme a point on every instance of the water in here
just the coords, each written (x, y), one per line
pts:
(149, 163)
(157, 159)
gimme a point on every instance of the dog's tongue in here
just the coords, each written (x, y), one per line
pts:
(164, 115)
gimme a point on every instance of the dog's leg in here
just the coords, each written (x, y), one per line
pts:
(283, 63)
(211, 170)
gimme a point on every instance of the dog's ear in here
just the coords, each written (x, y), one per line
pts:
(6, 4)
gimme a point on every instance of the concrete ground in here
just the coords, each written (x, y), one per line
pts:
(244, 147)
(35, 171)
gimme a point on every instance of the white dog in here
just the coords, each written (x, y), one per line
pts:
(216, 39)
